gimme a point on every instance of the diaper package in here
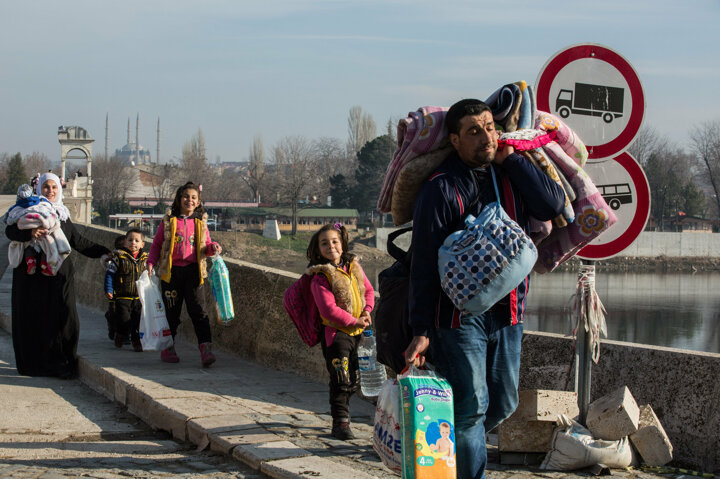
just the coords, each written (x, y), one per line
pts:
(428, 428)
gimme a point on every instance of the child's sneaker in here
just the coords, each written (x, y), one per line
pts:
(169, 355)
(31, 265)
(206, 355)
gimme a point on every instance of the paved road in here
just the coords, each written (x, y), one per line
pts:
(50, 428)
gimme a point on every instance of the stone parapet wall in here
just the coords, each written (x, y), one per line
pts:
(681, 386)
(649, 244)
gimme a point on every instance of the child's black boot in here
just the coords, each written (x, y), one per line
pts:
(341, 430)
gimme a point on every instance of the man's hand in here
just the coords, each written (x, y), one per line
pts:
(500, 155)
(149, 268)
(109, 295)
(415, 353)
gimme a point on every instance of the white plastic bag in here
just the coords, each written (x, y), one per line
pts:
(386, 435)
(573, 447)
(155, 333)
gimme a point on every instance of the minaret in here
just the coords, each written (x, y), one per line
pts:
(128, 136)
(157, 154)
(137, 138)
(106, 137)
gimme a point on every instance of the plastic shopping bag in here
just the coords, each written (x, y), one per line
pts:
(220, 284)
(386, 435)
(155, 333)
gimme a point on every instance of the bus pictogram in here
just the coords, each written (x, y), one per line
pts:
(616, 195)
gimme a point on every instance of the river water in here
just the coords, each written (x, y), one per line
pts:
(672, 310)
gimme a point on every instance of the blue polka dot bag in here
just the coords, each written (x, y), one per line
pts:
(484, 262)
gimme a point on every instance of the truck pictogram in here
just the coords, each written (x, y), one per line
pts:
(592, 100)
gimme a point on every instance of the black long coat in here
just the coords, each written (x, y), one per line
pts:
(45, 325)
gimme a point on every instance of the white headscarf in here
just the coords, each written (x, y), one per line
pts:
(61, 210)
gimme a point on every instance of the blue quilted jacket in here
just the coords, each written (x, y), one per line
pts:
(450, 194)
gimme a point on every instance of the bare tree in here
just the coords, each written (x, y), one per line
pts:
(296, 167)
(194, 163)
(361, 129)
(706, 145)
(332, 156)
(256, 169)
(669, 170)
(111, 181)
(4, 160)
(645, 143)
(36, 162)
(163, 181)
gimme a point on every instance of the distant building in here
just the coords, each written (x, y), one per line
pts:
(309, 219)
(682, 223)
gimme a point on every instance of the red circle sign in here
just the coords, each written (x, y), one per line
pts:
(583, 92)
(624, 186)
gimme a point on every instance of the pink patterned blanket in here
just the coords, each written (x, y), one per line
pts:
(422, 131)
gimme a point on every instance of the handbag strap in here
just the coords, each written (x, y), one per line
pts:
(492, 172)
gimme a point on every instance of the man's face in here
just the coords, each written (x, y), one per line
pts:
(476, 143)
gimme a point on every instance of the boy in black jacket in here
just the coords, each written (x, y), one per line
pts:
(127, 264)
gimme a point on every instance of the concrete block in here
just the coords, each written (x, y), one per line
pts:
(311, 466)
(255, 454)
(530, 427)
(93, 376)
(198, 429)
(120, 392)
(614, 415)
(155, 414)
(545, 405)
(225, 441)
(520, 435)
(271, 230)
(650, 439)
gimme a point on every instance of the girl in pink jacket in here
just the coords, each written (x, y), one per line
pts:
(344, 298)
(178, 253)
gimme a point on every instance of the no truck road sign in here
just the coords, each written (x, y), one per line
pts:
(597, 93)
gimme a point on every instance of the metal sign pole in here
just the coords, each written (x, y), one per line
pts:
(589, 323)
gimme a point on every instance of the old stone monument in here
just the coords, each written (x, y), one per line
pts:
(77, 194)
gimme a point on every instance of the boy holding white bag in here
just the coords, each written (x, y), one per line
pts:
(124, 269)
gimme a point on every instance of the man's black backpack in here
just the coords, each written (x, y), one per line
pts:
(392, 331)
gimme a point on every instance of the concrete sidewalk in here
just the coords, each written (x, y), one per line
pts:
(276, 422)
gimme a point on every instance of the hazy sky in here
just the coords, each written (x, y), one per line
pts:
(280, 68)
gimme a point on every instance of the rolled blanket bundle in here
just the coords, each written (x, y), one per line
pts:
(513, 106)
(54, 244)
(592, 215)
(566, 138)
(545, 140)
(422, 131)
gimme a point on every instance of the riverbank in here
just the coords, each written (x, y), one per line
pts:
(658, 264)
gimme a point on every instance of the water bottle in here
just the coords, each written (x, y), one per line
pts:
(372, 373)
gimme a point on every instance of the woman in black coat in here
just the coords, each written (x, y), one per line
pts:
(45, 325)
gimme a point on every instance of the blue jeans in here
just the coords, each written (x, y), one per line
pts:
(481, 361)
